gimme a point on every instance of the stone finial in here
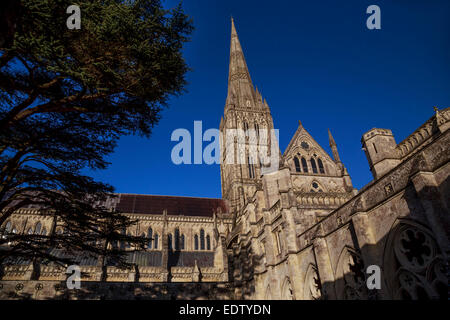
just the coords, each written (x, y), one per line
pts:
(196, 273)
(300, 123)
(333, 147)
(442, 119)
(331, 139)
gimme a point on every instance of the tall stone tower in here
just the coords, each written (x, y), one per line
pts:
(245, 110)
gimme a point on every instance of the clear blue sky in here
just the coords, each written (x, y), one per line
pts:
(314, 61)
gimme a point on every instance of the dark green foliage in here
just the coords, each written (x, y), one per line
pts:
(66, 96)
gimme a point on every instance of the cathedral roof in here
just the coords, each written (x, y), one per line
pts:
(154, 204)
(177, 206)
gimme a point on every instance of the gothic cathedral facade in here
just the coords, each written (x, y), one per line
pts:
(304, 232)
(301, 231)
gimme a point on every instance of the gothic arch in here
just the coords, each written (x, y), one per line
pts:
(297, 166)
(350, 283)
(312, 289)
(245, 123)
(286, 290)
(38, 228)
(156, 241)
(412, 262)
(150, 244)
(321, 166)
(304, 165)
(8, 226)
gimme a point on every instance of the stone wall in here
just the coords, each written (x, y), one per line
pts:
(57, 290)
(399, 222)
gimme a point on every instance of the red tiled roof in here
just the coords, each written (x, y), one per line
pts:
(177, 206)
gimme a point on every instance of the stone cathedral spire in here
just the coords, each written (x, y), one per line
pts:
(240, 87)
(245, 109)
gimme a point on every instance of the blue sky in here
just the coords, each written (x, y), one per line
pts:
(313, 61)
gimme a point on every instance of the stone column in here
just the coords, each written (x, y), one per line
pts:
(287, 208)
(269, 248)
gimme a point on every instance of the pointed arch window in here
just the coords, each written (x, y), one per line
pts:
(321, 167)
(196, 242)
(37, 229)
(6, 230)
(182, 240)
(202, 239)
(156, 241)
(177, 239)
(169, 239)
(8, 227)
(257, 129)
(304, 165)
(122, 243)
(313, 165)
(150, 238)
(245, 126)
(30, 231)
(251, 168)
(44, 231)
(297, 165)
(208, 242)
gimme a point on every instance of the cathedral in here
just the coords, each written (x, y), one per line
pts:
(300, 232)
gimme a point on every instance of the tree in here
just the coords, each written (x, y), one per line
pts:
(66, 96)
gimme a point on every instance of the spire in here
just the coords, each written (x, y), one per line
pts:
(333, 147)
(239, 81)
(331, 139)
(258, 95)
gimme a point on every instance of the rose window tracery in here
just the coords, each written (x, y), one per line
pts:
(419, 269)
(354, 277)
(415, 248)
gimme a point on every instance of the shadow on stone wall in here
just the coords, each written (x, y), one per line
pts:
(411, 256)
(57, 290)
(242, 271)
